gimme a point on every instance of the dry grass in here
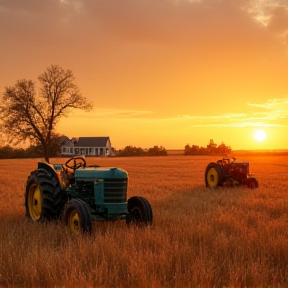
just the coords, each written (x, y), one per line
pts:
(200, 238)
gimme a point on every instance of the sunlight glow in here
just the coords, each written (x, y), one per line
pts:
(259, 135)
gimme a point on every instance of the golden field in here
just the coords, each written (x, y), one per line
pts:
(228, 237)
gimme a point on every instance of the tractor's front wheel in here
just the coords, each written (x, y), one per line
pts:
(214, 175)
(252, 183)
(140, 211)
(78, 217)
(44, 199)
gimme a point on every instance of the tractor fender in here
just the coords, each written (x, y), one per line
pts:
(46, 166)
(50, 169)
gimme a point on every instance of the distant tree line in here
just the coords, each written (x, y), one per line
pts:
(33, 151)
(36, 151)
(137, 151)
(211, 148)
(8, 152)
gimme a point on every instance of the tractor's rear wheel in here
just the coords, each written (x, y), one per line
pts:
(214, 175)
(78, 217)
(140, 211)
(44, 199)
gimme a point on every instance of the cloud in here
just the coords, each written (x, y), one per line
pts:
(112, 114)
(162, 21)
(239, 125)
(31, 18)
(76, 5)
(271, 118)
(277, 111)
(165, 53)
(29, 8)
(273, 104)
(194, 26)
(279, 19)
(166, 21)
(216, 117)
(272, 14)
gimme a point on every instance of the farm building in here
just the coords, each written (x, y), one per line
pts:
(86, 146)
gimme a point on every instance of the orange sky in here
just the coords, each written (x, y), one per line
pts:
(159, 72)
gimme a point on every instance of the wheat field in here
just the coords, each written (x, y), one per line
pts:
(227, 237)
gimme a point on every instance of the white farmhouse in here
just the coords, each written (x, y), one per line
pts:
(86, 146)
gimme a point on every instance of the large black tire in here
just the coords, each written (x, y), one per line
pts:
(44, 198)
(77, 217)
(214, 175)
(140, 211)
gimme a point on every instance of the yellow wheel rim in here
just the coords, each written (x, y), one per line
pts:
(212, 177)
(74, 222)
(34, 202)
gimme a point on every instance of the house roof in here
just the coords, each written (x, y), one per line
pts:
(64, 140)
(92, 141)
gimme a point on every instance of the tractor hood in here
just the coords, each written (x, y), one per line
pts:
(100, 173)
(241, 163)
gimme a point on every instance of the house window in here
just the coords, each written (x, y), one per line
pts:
(64, 149)
(71, 150)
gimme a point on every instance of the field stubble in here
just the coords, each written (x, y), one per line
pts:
(199, 238)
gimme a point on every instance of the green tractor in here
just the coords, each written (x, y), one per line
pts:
(227, 172)
(79, 194)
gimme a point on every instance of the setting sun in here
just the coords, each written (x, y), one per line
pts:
(259, 135)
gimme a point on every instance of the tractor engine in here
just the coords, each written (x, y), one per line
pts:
(85, 188)
(239, 171)
(104, 189)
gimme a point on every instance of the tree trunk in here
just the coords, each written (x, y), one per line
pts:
(46, 153)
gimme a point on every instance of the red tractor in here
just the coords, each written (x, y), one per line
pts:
(227, 172)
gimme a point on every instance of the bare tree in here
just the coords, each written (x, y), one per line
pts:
(26, 114)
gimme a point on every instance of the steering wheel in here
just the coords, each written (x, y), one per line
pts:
(77, 162)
